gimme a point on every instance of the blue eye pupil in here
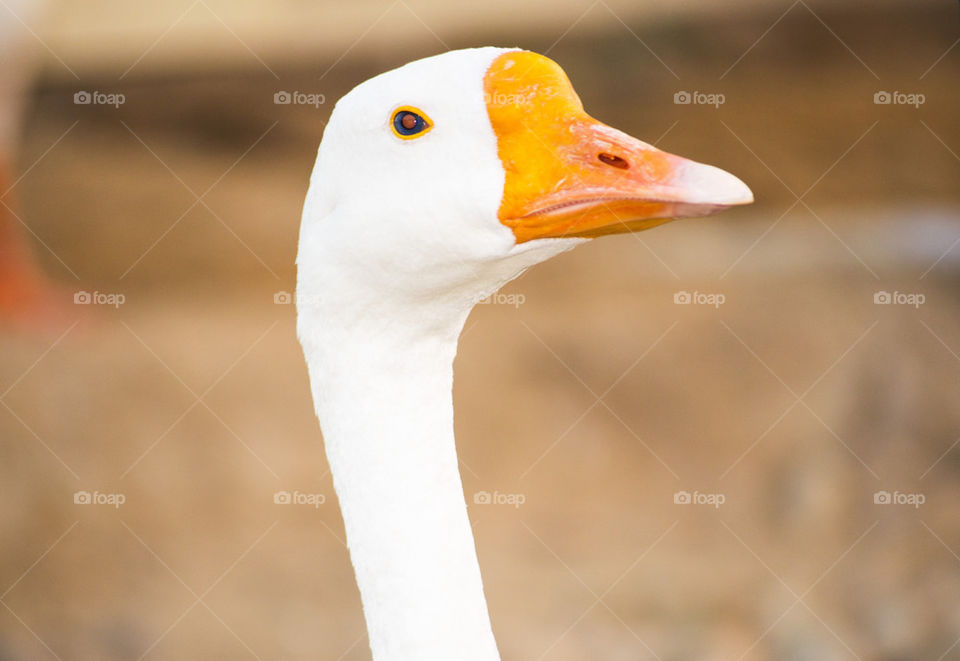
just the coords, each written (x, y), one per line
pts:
(408, 123)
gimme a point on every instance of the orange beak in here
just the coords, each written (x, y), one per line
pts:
(568, 175)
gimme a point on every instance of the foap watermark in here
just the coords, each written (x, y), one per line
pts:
(696, 98)
(497, 498)
(699, 298)
(97, 98)
(898, 298)
(899, 498)
(97, 498)
(499, 298)
(299, 498)
(98, 298)
(289, 298)
(502, 99)
(697, 498)
(283, 98)
(915, 99)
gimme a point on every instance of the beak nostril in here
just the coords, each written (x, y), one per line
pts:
(615, 161)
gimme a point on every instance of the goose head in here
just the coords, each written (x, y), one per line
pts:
(435, 184)
(448, 176)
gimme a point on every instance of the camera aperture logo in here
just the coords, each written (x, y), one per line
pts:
(97, 98)
(899, 498)
(283, 98)
(98, 298)
(697, 498)
(97, 498)
(497, 498)
(696, 98)
(699, 298)
(898, 298)
(299, 498)
(897, 98)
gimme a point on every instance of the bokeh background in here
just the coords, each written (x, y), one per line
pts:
(590, 392)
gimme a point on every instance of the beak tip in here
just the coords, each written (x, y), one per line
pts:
(714, 186)
(745, 195)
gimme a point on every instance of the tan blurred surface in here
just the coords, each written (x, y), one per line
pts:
(797, 399)
(114, 37)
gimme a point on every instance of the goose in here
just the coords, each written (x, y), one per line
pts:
(435, 184)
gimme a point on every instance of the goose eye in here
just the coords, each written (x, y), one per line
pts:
(410, 123)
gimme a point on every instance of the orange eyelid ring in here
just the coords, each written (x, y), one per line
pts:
(409, 122)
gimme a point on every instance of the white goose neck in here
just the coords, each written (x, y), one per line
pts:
(382, 387)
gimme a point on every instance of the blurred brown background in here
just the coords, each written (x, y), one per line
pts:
(599, 398)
